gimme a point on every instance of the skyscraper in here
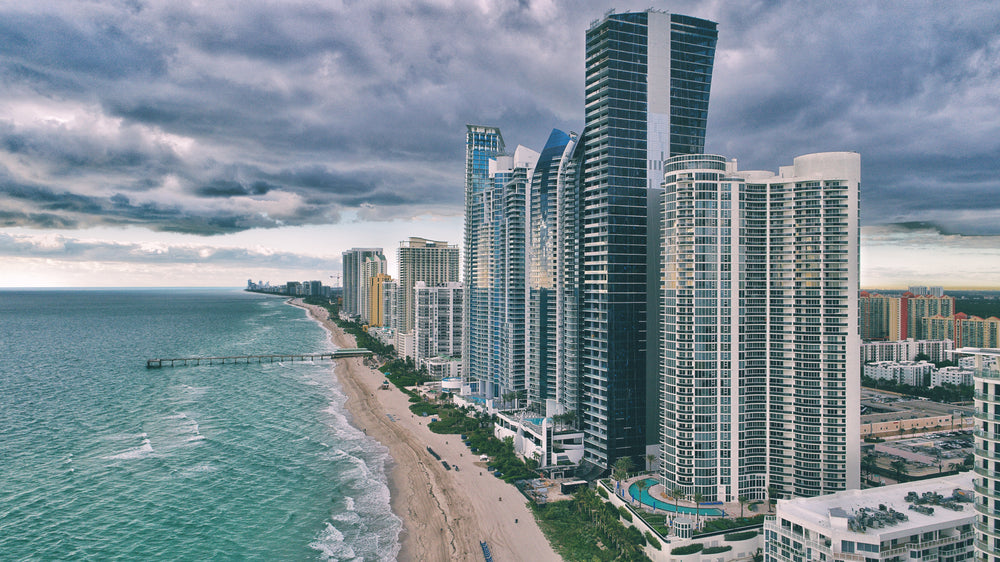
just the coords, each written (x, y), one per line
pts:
(543, 265)
(371, 266)
(760, 352)
(482, 143)
(986, 378)
(376, 299)
(433, 262)
(648, 76)
(355, 285)
(502, 242)
(437, 324)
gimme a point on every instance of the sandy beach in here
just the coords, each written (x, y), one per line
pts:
(445, 513)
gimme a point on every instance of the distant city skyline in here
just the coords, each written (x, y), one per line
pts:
(199, 145)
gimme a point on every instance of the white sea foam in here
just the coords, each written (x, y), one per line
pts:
(139, 452)
(331, 546)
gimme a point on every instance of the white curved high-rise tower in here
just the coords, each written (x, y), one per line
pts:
(760, 363)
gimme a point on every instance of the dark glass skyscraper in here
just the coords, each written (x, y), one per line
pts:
(648, 76)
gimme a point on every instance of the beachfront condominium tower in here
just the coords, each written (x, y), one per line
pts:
(437, 321)
(371, 267)
(481, 144)
(502, 241)
(494, 344)
(648, 76)
(433, 262)
(760, 373)
(355, 284)
(550, 388)
(986, 377)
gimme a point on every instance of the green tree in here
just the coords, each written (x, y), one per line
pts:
(641, 484)
(743, 501)
(899, 469)
(772, 496)
(698, 498)
(677, 494)
(622, 467)
(868, 463)
(650, 459)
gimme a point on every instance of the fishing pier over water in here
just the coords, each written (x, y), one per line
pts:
(248, 359)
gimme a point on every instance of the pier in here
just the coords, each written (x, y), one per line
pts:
(255, 359)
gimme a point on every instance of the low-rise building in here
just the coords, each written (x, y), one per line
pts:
(557, 449)
(913, 373)
(444, 367)
(924, 520)
(906, 350)
(951, 375)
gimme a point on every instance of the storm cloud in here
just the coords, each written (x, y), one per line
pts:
(219, 117)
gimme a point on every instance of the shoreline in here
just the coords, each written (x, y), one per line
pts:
(445, 513)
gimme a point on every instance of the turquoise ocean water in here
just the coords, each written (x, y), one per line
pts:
(102, 459)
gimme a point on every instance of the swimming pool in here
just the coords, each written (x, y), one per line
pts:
(649, 500)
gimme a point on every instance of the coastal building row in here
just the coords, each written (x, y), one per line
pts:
(291, 288)
(902, 317)
(907, 350)
(918, 373)
(420, 313)
(965, 330)
(661, 299)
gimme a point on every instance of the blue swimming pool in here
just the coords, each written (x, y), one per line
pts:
(646, 499)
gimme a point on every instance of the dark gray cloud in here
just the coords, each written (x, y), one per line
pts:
(225, 116)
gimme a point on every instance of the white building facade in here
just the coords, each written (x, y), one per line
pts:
(987, 438)
(760, 362)
(913, 373)
(437, 326)
(906, 350)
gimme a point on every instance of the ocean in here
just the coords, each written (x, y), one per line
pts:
(103, 459)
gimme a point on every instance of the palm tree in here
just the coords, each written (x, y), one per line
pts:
(697, 497)
(899, 467)
(772, 495)
(677, 494)
(868, 464)
(641, 484)
(621, 469)
(650, 459)
(743, 501)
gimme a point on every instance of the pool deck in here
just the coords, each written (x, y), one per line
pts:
(665, 503)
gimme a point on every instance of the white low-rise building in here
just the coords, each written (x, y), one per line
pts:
(951, 375)
(557, 449)
(913, 373)
(444, 367)
(905, 350)
(924, 520)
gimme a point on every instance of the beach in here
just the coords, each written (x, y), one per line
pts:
(445, 513)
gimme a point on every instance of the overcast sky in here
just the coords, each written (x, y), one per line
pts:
(162, 143)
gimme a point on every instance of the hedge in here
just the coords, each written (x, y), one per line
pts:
(733, 537)
(716, 549)
(626, 515)
(652, 540)
(689, 549)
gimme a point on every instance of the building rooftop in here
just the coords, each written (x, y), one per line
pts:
(872, 513)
